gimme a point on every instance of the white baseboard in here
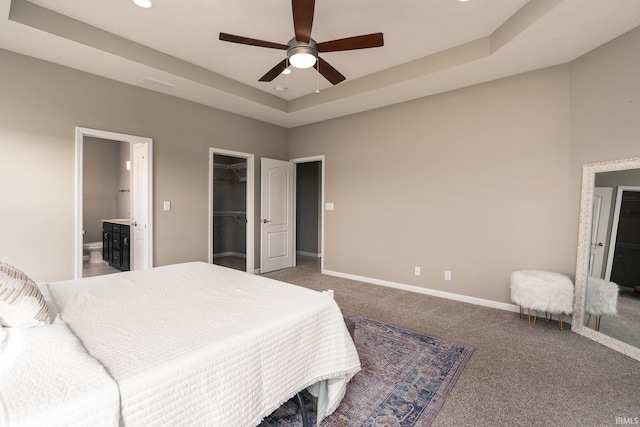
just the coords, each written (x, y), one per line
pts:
(309, 254)
(426, 291)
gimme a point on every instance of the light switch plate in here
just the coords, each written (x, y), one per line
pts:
(329, 206)
(167, 205)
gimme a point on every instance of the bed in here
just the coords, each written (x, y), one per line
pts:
(187, 344)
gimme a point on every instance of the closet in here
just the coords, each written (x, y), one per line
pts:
(229, 211)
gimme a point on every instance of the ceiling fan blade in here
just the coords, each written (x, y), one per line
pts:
(303, 18)
(352, 43)
(329, 72)
(251, 42)
(274, 72)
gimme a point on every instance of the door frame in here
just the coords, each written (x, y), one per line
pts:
(614, 226)
(323, 251)
(600, 226)
(250, 263)
(81, 133)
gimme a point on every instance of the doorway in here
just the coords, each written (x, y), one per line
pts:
(279, 210)
(308, 213)
(601, 211)
(231, 201)
(309, 209)
(623, 267)
(125, 205)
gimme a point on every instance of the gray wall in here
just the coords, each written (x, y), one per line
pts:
(617, 178)
(605, 112)
(40, 106)
(473, 181)
(489, 180)
(307, 207)
(124, 197)
(103, 168)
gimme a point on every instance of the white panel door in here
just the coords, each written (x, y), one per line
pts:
(140, 211)
(599, 223)
(276, 231)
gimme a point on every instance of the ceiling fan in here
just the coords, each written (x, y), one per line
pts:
(302, 50)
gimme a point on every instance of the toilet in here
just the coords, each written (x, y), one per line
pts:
(95, 251)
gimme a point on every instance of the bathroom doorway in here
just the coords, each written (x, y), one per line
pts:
(106, 196)
(113, 203)
(231, 201)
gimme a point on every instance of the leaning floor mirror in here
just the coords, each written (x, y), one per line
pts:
(607, 293)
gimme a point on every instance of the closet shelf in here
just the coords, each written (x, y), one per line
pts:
(239, 216)
(236, 168)
(229, 213)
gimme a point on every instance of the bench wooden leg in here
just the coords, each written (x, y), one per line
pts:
(535, 317)
(560, 321)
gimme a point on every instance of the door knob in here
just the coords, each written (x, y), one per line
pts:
(135, 224)
(599, 244)
(264, 221)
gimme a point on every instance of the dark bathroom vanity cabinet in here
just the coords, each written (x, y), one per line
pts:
(116, 244)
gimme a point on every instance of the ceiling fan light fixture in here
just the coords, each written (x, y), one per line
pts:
(302, 56)
(145, 4)
(303, 60)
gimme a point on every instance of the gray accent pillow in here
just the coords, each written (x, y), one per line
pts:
(22, 305)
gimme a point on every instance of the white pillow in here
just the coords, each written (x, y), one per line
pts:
(21, 302)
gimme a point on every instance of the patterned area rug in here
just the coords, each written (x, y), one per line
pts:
(404, 381)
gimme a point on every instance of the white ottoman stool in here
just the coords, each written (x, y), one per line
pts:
(601, 299)
(542, 291)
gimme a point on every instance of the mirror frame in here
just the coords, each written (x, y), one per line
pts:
(582, 260)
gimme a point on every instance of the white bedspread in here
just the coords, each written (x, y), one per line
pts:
(199, 344)
(48, 379)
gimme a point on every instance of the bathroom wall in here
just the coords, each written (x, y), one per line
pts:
(124, 197)
(102, 171)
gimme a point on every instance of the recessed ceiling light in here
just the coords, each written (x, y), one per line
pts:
(286, 71)
(143, 3)
(463, 1)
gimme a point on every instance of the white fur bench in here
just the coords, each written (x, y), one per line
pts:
(601, 299)
(542, 291)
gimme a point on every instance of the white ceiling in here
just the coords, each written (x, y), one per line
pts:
(431, 46)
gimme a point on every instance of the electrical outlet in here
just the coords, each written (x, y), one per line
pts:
(417, 271)
(166, 205)
(447, 275)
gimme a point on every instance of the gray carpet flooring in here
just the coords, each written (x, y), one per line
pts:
(517, 376)
(626, 325)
